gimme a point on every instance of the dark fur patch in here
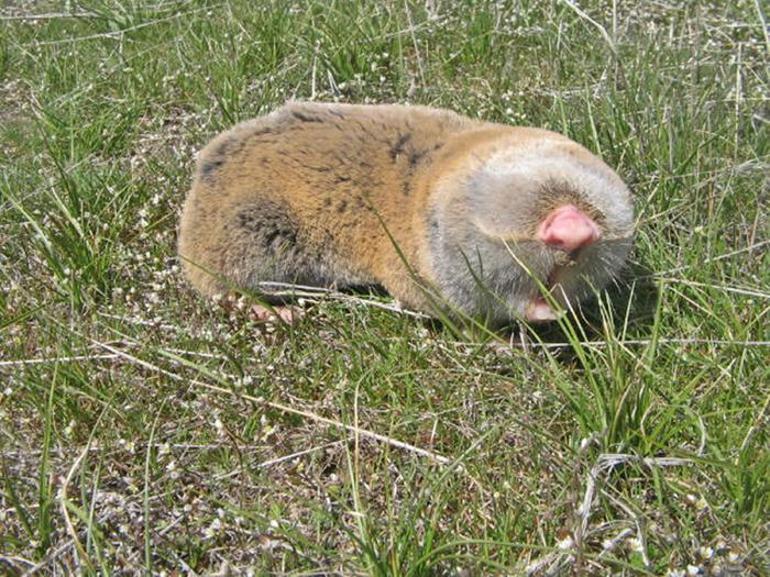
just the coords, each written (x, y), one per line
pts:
(305, 117)
(222, 148)
(229, 148)
(211, 163)
(399, 146)
(260, 134)
(415, 157)
(271, 225)
(210, 166)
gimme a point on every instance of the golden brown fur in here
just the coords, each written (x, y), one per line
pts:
(333, 194)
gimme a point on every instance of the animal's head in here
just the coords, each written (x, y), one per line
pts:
(544, 211)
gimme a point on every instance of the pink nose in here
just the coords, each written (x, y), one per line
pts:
(568, 229)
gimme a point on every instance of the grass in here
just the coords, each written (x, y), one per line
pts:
(145, 430)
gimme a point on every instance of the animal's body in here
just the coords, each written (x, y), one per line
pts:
(439, 209)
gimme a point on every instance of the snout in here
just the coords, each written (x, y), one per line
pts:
(568, 228)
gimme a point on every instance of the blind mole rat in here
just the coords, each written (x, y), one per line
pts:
(443, 211)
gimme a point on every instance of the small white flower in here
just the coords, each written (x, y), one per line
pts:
(706, 552)
(566, 543)
(213, 529)
(634, 544)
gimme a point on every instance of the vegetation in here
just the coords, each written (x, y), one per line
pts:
(146, 430)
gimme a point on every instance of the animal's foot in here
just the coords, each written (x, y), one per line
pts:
(285, 314)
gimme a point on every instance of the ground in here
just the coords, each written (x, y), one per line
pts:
(145, 430)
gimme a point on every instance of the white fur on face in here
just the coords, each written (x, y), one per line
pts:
(550, 161)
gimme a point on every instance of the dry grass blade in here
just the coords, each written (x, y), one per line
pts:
(50, 558)
(749, 292)
(119, 35)
(47, 16)
(280, 407)
(602, 30)
(80, 554)
(607, 462)
(55, 360)
(763, 23)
